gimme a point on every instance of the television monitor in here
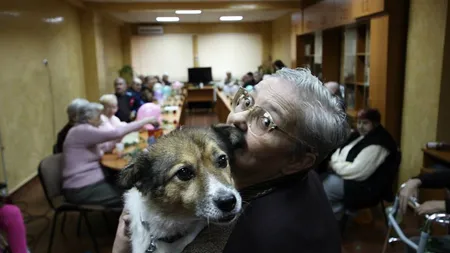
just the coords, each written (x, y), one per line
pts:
(200, 75)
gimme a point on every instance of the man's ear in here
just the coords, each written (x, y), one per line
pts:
(234, 135)
(298, 164)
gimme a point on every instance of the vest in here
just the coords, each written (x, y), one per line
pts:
(367, 193)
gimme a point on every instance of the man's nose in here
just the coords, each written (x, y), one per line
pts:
(239, 120)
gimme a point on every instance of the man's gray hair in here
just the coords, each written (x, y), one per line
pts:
(88, 112)
(321, 123)
(119, 80)
(72, 109)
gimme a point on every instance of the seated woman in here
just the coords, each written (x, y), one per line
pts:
(361, 167)
(71, 113)
(12, 225)
(109, 120)
(438, 179)
(83, 178)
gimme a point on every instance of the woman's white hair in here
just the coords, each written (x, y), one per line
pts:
(108, 99)
(321, 123)
(88, 111)
(72, 109)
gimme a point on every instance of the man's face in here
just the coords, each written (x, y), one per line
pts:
(120, 87)
(228, 75)
(165, 77)
(266, 154)
(136, 86)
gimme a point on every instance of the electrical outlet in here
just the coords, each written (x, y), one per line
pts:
(45, 61)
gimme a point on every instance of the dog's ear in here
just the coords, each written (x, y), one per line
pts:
(230, 133)
(130, 176)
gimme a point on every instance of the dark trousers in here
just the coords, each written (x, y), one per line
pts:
(101, 193)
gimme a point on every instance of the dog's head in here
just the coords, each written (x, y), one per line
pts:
(187, 173)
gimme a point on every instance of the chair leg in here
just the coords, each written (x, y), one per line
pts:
(80, 216)
(343, 223)
(91, 234)
(52, 233)
(383, 210)
(105, 217)
(63, 222)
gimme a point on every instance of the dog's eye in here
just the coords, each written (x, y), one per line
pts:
(185, 174)
(222, 161)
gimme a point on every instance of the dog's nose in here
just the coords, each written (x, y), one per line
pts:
(226, 203)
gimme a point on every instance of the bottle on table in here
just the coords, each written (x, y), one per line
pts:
(437, 145)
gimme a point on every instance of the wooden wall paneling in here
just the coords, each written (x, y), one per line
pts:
(397, 33)
(310, 19)
(378, 66)
(362, 8)
(343, 12)
(331, 54)
(297, 23)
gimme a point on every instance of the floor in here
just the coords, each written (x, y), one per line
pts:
(364, 234)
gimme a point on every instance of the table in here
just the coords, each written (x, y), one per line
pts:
(205, 94)
(114, 162)
(223, 106)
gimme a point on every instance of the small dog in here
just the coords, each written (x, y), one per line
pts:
(180, 184)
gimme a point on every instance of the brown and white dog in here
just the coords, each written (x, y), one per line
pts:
(179, 185)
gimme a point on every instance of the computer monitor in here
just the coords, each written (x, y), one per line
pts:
(200, 75)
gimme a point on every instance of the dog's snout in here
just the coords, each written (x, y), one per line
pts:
(226, 203)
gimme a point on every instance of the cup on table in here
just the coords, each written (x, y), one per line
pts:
(120, 147)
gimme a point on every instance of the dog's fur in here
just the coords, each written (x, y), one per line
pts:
(161, 196)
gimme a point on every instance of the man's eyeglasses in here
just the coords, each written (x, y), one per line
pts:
(260, 121)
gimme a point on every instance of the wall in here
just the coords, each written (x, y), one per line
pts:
(25, 100)
(102, 52)
(424, 64)
(262, 29)
(282, 40)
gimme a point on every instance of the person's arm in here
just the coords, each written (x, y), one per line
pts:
(364, 165)
(437, 179)
(95, 135)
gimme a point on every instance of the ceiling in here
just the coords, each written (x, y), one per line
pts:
(146, 11)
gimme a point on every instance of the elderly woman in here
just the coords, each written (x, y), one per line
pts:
(290, 122)
(110, 107)
(72, 114)
(361, 168)
(83, 178)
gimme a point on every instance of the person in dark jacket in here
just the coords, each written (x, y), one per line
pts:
(72, 110)
(285, 206)
(278, 64)
(125, 101)
(135, 93)
(362, 169)
(438, 179)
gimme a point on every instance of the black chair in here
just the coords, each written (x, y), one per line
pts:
(387, 195)
(50, 174)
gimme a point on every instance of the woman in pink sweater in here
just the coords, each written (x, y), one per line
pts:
(83, 178)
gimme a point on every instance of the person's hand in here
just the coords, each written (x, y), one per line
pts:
(430, 207)
(122, 240)
(153, 121)
(410, 190)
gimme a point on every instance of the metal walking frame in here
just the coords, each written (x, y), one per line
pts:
(392, 214)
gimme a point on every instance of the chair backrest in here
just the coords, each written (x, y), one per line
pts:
(389, 193)
(50, 174)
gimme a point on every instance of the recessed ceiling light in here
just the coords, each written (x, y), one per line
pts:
(231, 18)
(53, 20)
(167, 19)
(188, 12)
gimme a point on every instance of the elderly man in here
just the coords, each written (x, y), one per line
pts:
(165, 79)
(125, 101)
(72, 114)
(291, 122)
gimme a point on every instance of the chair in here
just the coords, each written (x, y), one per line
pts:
(50, 174)
(387, 195)
(4, 245)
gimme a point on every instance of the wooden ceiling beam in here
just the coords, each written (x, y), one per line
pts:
(209, 5)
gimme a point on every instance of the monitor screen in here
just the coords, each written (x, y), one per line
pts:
(200, 75)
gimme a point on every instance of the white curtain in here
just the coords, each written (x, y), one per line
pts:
(156, 55)
(235, 52)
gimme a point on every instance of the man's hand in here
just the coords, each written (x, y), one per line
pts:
(430, 207)
(410, 190)
(122, 241)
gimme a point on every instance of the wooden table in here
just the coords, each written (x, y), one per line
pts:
(223, 106)
(205, 94)
(114, 162)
